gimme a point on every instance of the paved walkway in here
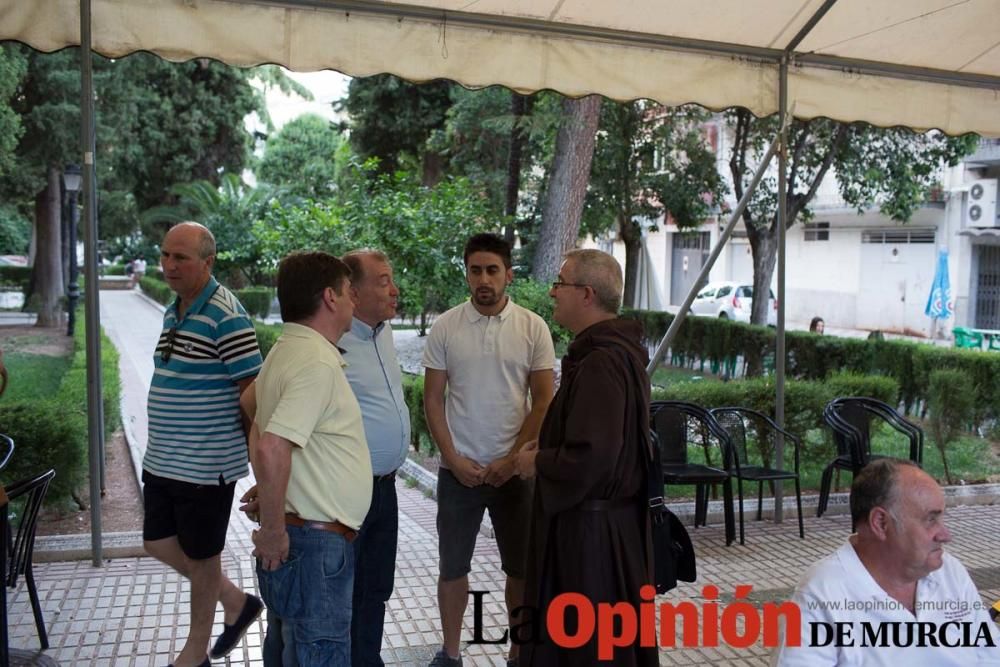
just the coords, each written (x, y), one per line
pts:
(133, 611)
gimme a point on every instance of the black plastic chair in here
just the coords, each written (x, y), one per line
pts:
(6, 450)
(736, 421)
(678, 423)
(15, 558)
(850, 419)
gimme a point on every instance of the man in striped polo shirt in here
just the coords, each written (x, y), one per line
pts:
(206, 355)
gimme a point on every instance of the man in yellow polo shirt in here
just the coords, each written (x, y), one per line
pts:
(313, 469)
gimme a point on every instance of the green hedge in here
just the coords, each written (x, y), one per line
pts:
(535, 297)
(413, 392)
(114, 270)
(267, 334)
(804, 400)
(257, 300)
(157, 290)
(812, 357)
(52, 433)
(15, 276)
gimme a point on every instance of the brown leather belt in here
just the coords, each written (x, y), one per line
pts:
(329, 526)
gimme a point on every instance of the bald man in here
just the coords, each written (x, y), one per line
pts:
(891, 580)
(207, 354)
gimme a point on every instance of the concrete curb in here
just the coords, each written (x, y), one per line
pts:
(973, 494)
(49, 548)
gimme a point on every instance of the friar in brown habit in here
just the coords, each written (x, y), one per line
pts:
(589, 522)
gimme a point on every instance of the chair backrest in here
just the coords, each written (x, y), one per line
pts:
(845, 436)
(678, 423)
(670, 427)
(745, 425)
(732, 421)
(859, 412)
(20, 550)
(6, 450)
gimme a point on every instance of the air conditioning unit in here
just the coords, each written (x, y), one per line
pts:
(981, 204)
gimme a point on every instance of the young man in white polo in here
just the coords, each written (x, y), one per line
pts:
(494, 361)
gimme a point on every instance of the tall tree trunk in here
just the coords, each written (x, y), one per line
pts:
(518, 108)
(567, 185)
(631, 236)
(47, 270)
(432, 169)
(764, 248)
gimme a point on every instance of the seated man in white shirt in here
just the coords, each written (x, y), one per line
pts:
(891, 595)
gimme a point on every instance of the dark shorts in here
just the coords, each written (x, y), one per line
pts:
(198, 514)
(460, 512)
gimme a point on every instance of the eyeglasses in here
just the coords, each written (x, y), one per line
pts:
(168, 349)
(559, 283)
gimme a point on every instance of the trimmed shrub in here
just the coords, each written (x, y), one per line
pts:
(256, 300)
(267, 335)
(44, 437)
(52, 433)
(157, 290)
(15, 277)
(413, 392)
(952, 405)
(812, 357)
(534, 296)
(114, 270)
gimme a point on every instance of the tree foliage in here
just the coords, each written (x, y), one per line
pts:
(649, 161)
(230, 210)
(891, 169)
(15, 231)
(302, 158)
(13, 67)
(422, 230)
(392, 120)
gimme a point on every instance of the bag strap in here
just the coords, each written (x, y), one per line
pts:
(650, 456)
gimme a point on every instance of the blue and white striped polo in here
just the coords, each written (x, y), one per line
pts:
(195, 430)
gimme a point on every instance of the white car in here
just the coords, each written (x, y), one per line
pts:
(732, 301)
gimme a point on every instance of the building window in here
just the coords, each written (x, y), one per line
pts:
(817, 231)
(898, 236)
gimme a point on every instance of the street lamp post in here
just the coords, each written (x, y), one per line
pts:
(72, 181)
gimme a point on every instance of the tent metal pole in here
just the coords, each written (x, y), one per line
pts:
(782, 221)
(779, 337)
(675, 325)
(95, 407)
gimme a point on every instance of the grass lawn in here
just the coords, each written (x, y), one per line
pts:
(33, 375)
(970, 459)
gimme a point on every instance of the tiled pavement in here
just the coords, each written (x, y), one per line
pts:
(134, 612)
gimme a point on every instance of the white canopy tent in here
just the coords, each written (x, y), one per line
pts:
(922, 64)
(917, 63)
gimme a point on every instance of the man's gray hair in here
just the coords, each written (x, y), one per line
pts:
(602, 272)
(355, 260)
(877, 486)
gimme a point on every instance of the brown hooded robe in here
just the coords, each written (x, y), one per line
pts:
(589, 451)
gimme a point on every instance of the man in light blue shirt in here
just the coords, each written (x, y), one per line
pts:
(374, 374)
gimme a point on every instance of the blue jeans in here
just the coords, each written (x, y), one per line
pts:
(374, 572)
(309, 602)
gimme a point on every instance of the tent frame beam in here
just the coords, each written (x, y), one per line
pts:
(540, 27)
